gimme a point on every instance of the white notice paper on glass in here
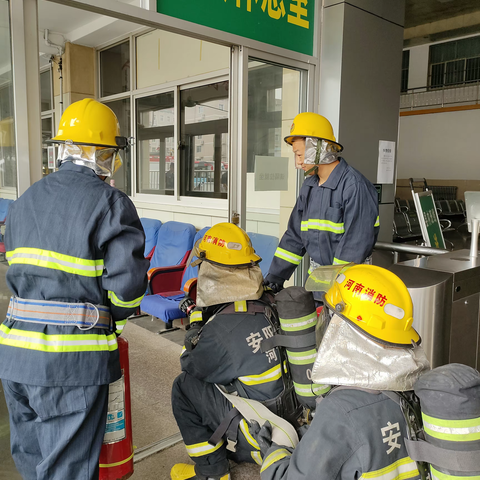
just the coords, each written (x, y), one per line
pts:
(386, 162)
(271, 173)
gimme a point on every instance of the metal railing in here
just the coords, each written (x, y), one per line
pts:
(397, 248)
(421, 97)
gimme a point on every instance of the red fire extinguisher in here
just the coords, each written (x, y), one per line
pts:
(116, 457)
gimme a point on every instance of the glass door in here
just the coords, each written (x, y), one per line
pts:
(276, 93)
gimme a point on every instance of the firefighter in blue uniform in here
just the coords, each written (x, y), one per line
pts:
(228, 353)
(335, 219)
(368, 351)
(75, 248)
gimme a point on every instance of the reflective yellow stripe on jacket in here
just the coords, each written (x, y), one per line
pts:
(400, 470)
(120, 303)
(87, 342)
(269, 376)
(55, 261)
(204, 448)
(288, 256)
(274, 457)
(323, 225)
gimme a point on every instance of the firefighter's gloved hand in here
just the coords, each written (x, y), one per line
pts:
(274, 287)
(187, 305)
(263, 435)
(191, 337)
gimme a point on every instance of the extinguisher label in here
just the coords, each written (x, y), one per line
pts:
(115, 428)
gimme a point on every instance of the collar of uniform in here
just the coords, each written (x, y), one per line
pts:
(70, 166)
(332, 180)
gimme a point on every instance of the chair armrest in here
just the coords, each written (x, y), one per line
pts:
(190, 288)
(165, 279)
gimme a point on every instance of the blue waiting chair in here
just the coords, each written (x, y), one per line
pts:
(166, 286)
(265, 247)
(151, 228)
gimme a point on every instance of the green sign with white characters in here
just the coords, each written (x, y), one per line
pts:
(428, 216)
(284, 23)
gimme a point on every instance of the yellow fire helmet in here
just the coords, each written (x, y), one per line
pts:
(89, 122)
(229, 245)
(376, 301)
(309, 124)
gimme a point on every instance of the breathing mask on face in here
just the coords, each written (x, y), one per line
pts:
(319, 152)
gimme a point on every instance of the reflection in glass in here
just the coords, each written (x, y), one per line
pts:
(115, 70)
(8, 162)
(275, 95)
(204, 141)
(47, 134)
(46, 90)
(155, 144)
(123, 176)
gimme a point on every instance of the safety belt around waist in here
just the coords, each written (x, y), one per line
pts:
(85, 316)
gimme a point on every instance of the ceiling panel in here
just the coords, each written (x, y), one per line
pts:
(420, 12)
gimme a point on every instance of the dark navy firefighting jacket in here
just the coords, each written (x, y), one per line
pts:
(229, 349)
(336, 223)
(71, 238)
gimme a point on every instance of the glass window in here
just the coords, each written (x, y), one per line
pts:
(8, 162)
(123, 176)
(405, 67)
(115, 69)
(455, 63)
(47, 134)
(204, 128)
(46, 90)
(155, 144)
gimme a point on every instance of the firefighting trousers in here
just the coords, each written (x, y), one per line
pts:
(199, 408)
(56, 433)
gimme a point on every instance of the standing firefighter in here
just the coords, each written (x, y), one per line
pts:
(227, 352)
(75, 248)
(335, 219)
(368, 351)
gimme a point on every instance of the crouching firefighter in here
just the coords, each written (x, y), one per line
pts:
(225, 365)
(370, 355)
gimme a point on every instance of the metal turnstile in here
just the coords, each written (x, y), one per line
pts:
(445, 290)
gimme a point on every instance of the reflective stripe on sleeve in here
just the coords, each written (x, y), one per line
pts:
(183, 351)
(246, 434)
(269, 376)
(57, 343)
(257, 457)
(323, 225)
(377, 222)
(337, 261)
(55, 261)
(274, 457)
(310, 389)
(196, 316)
(288, 256)
(452, 430)
(400, 470)
(204, 448)
(301, 323)
(120, 303)
(120, 324)
(302, 358)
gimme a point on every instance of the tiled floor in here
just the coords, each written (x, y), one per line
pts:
(154, 365)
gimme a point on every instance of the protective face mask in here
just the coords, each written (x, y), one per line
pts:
(318, 152)
(103, 161)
